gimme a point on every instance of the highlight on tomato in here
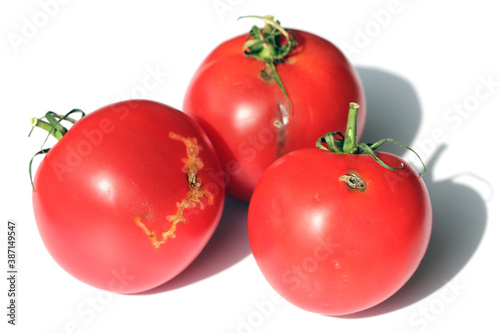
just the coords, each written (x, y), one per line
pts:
(261, 95)
(128, 196)
(339, 228)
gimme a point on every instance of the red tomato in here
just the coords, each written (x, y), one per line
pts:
(335, 249)
(245, 113)
(127, 198)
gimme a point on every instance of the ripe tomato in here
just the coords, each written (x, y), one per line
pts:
(237, 101)
(338, 233)
(127, 198)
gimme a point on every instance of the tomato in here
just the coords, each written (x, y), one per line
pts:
(251, 120)
(338, 233)
(127, 198)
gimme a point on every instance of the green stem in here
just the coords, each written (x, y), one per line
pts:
(53, 127)
(265, 45)
(351, 133)
(348, 143)
(35, 122)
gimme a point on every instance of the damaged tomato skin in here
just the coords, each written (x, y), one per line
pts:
(330, 249)
(115, 167)
(239, 109)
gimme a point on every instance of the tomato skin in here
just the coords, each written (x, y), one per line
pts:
(238, 109)
(114, 168)
(330, 249)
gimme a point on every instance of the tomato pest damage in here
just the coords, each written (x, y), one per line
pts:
(192, 165)
(263, 94)
(132, 171)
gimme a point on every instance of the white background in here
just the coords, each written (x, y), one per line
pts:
(432, 78)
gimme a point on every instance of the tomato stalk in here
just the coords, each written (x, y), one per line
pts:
(348, 144)
(36, 122)
(265, 45)
(54, 127)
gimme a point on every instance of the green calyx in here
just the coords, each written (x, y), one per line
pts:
(51, 123)
(266, 45)
(348, 144)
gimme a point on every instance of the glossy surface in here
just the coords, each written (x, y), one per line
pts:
(109, 190)
(330, 249)
(246, 117)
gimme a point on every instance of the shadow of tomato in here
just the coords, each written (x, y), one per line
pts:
(393, 108)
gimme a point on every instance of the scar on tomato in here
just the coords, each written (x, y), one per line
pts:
(192, 165)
